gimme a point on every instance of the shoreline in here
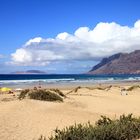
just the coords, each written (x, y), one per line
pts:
(70, 85)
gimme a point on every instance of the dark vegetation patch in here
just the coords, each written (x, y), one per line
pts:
(23, 94)
(124, 128)
(57, 91)
(133, 87)
(75, 90)
(42, 94)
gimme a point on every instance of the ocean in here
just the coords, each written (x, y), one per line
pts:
(32, 79)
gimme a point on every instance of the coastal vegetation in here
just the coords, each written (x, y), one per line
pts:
(124, 128)
(58, 92)
(23, 94)
(133, 87)
(75, 90)
(42, 94)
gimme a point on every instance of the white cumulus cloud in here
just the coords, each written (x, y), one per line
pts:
(34, 40)
(84, 44)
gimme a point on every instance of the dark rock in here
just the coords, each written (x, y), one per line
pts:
(121, 63)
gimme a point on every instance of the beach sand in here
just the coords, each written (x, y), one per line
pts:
(28, 119)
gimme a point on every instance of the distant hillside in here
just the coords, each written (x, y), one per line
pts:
(122, 63)
(29, 72)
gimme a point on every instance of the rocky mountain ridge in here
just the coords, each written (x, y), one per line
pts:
(121, 63)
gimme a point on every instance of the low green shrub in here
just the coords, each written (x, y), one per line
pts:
(40, 94)
(124, 128)
(44, 95)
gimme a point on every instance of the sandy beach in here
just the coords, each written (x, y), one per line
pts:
(28, 119)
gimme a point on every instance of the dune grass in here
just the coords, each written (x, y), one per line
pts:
(44, 95)
(41, 94)
(23, 94)
(57, 91)
(133, 87)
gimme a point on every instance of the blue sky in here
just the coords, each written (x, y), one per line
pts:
(23, 20)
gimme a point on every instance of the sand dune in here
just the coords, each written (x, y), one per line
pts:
(28, 119)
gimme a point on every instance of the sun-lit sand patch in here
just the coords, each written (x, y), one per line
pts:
(27, 119)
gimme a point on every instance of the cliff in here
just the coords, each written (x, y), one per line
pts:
(122, 63)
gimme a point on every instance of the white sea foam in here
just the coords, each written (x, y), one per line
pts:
(70, 80)
(35, 80)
